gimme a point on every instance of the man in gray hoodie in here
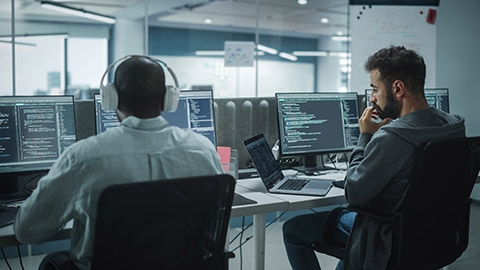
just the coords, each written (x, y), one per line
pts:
(382, 164)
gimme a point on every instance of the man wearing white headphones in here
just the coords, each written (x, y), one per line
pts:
(144, 148)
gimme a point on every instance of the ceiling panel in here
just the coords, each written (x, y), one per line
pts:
(284, 16)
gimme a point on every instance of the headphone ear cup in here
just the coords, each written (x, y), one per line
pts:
(170, 102)
(109, 97)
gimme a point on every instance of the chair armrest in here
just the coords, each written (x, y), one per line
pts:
(374, 214)
(60, 261)
(229, 254)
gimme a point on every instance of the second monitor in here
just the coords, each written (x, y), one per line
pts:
(195, 112)
(317, 123)
(436, 97)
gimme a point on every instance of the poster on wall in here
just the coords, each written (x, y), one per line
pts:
(239, 53)
(376, 27)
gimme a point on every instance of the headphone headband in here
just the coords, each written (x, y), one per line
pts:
(110, 96)
(175, 81)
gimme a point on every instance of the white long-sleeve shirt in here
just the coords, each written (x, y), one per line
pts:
(138, 150)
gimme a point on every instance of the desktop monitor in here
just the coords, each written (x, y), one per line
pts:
(34, 131)
(436, 97)
(317, 123)
(195, 112)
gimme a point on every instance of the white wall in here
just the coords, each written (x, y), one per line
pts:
(458, 58)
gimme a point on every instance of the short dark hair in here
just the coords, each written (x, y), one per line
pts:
(398, 63)
(140, 83)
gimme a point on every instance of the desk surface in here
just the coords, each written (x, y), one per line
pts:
(298, 202)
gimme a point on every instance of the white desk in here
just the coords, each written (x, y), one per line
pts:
(294, 203)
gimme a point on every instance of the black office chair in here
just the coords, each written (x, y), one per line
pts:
(431, 229)
(169, 224)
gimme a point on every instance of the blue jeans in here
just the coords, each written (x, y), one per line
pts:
(301, 232)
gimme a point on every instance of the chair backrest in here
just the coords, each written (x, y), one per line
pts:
(167, 224)
(436, 208)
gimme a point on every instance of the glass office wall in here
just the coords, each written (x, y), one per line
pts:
(5, 49)
(296, 51)
(85, 69)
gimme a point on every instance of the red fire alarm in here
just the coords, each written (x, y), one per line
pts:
(432, 14)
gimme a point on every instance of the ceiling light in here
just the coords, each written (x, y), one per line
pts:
(341, 38)
(302, 2)
(345, 61)
(267, 49)
(324, 20)
(310, 53)
(340, 54)
(208, 20)
(217, 53)
(77, 12)
(288, 56)
(339, 33)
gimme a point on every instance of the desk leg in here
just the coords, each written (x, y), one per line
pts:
(259, 242)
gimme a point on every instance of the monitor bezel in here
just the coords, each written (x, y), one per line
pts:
(320, 152)
(42, 170)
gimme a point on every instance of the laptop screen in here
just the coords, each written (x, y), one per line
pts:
(261, 155)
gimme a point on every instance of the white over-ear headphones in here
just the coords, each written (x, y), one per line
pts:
(109, 93)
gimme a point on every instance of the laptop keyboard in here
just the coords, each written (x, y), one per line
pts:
(294, 184)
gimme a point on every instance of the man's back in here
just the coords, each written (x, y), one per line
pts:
(139, 150)
(380, 182)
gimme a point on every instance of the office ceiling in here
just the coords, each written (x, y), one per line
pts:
(282, 16)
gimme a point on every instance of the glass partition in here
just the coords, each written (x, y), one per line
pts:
(302, 45)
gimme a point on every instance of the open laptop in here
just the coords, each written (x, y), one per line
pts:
(273, 178)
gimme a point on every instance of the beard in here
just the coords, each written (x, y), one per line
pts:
(392, 108)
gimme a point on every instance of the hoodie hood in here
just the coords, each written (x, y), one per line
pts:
(418, 128)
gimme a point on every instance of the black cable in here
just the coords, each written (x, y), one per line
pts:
(333, 162)
(5, 257)
(277, 218)
(311, 209)
(241, 236)
(236, 236)
(248, 238)
(241, 244)
(20, 257)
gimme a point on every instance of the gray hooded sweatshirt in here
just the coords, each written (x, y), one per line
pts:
(381, 167)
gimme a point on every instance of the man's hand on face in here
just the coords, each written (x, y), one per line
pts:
(366, 124)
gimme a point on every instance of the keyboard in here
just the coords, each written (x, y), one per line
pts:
(294, 184)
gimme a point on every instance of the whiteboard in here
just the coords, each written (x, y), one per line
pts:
(376, 27)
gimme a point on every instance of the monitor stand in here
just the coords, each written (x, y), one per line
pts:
(310, 166)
